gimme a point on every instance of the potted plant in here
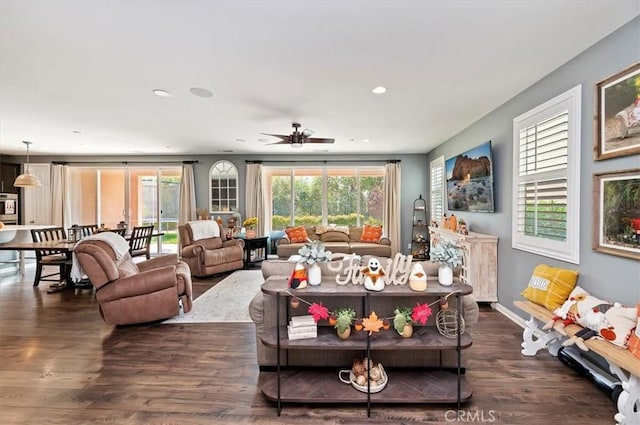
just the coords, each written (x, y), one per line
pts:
(449, 255)
(250, 223)
(344, 317)
(311, 254)
(402, 321)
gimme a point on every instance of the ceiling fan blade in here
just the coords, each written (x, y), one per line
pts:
(280, 136)
(281, 142)
(306, 132)
(318, 140)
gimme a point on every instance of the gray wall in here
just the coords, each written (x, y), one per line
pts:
(607, 276)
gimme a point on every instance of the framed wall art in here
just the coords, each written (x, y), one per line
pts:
(616, 217)
(617, 114)
(470, 180)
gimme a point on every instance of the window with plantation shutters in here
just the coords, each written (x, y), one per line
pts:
(546, 171)
(437, 188)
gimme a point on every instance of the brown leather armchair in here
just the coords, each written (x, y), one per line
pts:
(211, 255)
(131, 292)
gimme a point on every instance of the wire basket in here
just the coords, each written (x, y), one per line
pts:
(447, 321)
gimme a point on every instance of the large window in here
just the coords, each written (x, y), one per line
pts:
(325, 195)
(545, 174)
(223, 187)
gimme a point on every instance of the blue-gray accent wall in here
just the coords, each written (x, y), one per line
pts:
(607, 276)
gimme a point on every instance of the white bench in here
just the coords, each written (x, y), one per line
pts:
(621, 362)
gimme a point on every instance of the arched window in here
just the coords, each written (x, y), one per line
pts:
(223, 188)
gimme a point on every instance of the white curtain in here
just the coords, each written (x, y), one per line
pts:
(187, 207)
(254, 196)
(392, 205)
(60, 196)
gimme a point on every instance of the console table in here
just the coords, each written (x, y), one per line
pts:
(406, 385)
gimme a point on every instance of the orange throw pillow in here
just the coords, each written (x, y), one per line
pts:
(371, 234)
(297, 234)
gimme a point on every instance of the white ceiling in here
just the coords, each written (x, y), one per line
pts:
(90, 67)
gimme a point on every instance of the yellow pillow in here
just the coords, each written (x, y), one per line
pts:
(550, 286)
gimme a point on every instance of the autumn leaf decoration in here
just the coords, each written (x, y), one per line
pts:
(318, 311)
(372, 323)
(421, 313)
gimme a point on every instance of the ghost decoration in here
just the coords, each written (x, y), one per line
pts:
(373, 274)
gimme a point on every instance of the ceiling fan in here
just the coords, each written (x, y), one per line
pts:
(298, 138)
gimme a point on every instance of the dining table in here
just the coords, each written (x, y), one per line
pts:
(19, 244)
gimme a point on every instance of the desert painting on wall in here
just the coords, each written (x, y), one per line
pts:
(470, 180)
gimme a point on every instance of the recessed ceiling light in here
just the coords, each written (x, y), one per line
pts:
(379, 90)
(200, 92)
(76, 132)
(241, 141)
(366, 140)
(263, 140)
(162, 93)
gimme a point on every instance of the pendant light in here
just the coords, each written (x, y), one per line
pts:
(26, 179)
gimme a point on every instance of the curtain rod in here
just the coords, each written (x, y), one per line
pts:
(320, 161)
(122, 162)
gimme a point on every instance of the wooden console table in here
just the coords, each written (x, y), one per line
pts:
(406, 385)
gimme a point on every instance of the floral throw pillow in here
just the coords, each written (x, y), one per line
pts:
(371, 233)
(297, 234)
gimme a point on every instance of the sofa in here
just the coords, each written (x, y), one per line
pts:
(207, 253)
(343, 241)
(262, 311)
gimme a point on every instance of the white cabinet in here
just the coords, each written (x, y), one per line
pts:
(37, 200)
(479, 262)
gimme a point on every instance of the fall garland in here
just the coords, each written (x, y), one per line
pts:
(419, 314)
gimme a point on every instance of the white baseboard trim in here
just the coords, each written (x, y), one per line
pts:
(511, 315)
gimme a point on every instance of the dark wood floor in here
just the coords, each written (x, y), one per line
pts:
(60, 364)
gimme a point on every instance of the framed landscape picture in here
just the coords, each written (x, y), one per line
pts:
(617, 114)
(470, 180)
(616, 218)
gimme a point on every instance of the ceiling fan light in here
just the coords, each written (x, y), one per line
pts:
(296, 145)
(27, 180)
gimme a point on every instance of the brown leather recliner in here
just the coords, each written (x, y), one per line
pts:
(131, 292)
(212, 255)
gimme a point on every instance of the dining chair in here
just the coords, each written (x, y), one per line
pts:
(140, 241)
(85, 230)
(121, 231)
(51, 257)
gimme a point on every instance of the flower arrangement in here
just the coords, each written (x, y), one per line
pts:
(314, 252)
(250, 222)
(448, 253)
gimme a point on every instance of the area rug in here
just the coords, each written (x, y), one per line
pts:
(228, 301)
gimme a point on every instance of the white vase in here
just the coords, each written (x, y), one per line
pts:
(314, 275)
(445, 275)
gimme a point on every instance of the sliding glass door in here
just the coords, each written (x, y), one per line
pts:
(135, 196)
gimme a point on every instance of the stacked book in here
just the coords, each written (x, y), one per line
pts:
(302, 327)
